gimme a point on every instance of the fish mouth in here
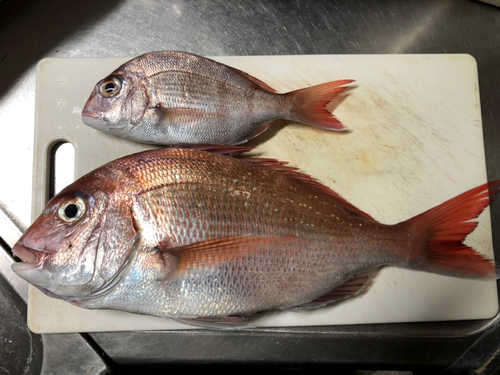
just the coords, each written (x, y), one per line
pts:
(28, 255)
(92, 118)
(92, 114)
(97, 121)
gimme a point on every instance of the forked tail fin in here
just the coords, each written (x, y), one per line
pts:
(310, 104)
(445, 228)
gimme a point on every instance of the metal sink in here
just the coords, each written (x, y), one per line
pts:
(32, 30)
(23, 350)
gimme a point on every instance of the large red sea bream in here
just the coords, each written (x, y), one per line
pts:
(209, 239)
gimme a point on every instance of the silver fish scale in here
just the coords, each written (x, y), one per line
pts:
(182, 218)
(248, 284)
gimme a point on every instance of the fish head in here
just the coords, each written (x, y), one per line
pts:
(78, 244)
(118, 102)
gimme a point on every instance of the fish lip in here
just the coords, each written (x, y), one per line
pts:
(93, 119)
(97, 121)
(29, 255)
(91, 114)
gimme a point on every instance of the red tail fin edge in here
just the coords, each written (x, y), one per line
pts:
(446, 227)
(311, 103)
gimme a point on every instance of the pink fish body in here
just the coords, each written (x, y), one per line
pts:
(208, 238)
(171, 97)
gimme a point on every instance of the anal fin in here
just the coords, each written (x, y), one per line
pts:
(217, 322)
(349, 289)
(261, 129)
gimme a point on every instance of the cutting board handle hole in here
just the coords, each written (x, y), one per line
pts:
(62, 167)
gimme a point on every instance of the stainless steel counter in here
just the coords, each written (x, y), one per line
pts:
(32, 30)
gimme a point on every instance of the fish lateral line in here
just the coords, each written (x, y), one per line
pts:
(215, 79)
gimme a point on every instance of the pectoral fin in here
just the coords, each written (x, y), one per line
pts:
(212, 253)
(178, 116)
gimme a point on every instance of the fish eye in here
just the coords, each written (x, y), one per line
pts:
(110, 87)
(72, 210)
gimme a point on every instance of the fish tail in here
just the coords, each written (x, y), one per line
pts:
(309, 104)
(443, 229)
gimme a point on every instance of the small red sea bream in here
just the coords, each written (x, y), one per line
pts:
(175, 98)
(200, 236)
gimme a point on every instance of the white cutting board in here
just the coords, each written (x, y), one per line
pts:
(416, 140)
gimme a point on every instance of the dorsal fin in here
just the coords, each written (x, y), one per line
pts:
(258, 82)
(218, 149)
(281, 166)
